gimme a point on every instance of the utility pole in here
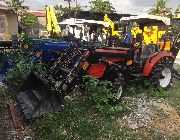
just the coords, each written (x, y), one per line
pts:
(76, 4)
(76, 9)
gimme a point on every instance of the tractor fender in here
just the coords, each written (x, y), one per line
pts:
(97, 70)
(153, 60)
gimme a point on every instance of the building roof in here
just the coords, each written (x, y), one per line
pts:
(37, 13)
(3, 7)
(6, 9)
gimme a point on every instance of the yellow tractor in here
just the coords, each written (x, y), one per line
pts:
(152, 33)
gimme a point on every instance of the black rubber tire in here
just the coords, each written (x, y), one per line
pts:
(165, 64)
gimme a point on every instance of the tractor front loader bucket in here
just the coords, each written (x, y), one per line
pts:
(36, 97)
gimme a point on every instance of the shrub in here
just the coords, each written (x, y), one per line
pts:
(3, 96)
(103, 95)
(22, 64)
(29, 19)
(7, 37)
(17, 75)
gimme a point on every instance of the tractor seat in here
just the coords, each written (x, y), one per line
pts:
(148, 50)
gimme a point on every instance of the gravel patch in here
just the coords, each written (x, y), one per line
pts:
(142, 111)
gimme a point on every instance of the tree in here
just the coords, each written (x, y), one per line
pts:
(175, 22)
(177, 11)
(16, 4)
(160, 9)
(30, 21)
(103, 6)
(61, 11)
(64, 12)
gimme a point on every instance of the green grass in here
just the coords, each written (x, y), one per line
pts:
(144, 88)
(174, 93)
(174, 96)
(80, 120)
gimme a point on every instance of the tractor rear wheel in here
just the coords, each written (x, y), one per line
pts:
(161, 75)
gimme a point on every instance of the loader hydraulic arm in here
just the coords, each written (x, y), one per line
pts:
(52, 23)
(112, 25)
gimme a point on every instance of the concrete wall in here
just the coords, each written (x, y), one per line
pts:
(10, 25)
(42, 21)
(4, 17)
(12, 21)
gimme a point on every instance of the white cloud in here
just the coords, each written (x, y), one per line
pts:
(40, 4)
(120, 5)
(123, 6)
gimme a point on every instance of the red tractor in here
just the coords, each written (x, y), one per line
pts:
(120, 65)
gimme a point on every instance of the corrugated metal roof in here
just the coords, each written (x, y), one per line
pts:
(6, 9)
(3, 7)
(38, 13)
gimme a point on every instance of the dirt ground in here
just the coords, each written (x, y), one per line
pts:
(152, 117)
(147, 116)
(7, 130)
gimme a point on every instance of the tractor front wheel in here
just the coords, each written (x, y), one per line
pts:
(161, 75)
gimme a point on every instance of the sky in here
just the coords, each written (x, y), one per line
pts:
(121, 6)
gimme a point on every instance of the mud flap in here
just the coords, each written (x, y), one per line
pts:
(36, 98)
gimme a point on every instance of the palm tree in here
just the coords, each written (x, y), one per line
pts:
(160, 9)
(16, 4)
(69, 2)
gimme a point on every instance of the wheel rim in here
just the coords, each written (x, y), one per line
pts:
(166, 73)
